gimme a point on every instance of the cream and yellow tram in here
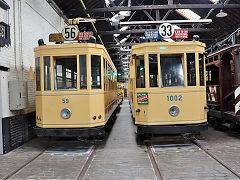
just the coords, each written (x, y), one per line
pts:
(76, 89)
(167, 88)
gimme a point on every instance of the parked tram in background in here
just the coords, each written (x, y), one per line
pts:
(223, 90)
(120, 92)
(76, 90)
(167, 89)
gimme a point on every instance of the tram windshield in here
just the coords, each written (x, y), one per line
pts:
(65, 73)
(172, 70)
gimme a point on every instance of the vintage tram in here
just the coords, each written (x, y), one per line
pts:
(223, 91)
(167, 89)
(120, 92)
(76, 89)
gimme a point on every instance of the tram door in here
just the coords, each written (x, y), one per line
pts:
(227, 85)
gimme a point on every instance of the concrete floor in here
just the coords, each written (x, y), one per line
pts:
(121, 156)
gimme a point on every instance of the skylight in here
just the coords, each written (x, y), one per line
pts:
(189, 14)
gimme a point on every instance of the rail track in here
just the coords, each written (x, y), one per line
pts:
(215, 158)
(87, 163)
(23, 166)
(154, 163)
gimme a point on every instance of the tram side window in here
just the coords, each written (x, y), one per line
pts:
(96, 72)
(38, 75)
(191, 69)
(140, 71)
(47, 73)
(153, 70)
(201, 69)
(83, 71)
(172, 70)
(238, 67)
(66, 72)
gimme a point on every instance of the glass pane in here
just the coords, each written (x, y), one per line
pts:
(38, 75)
(172, 70)
(140, 71)
(47, 73)
(191, 69)
(96, 71)
(153, 70)
(238, 67)
(66, 72)
(201, 69)
(83, 71)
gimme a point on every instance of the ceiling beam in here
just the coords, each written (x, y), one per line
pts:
(139, 31)
(171, 6)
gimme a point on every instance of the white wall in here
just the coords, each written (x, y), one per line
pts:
(33, 20)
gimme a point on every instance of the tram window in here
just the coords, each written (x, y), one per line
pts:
(210, 59)
(83, 71)
(191, 70)
(215, 58)
(38, 75)
(153, 70)
(96, 71)
(172, 70)
(65, 72)
(47, 73)
(201, 69)
(140, 71)
(238, 67)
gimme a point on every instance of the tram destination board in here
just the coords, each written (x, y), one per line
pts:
(142, 98)
(58, 37)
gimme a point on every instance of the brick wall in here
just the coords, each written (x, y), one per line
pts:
(29, 21)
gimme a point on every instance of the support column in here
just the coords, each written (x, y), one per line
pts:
(1, 130)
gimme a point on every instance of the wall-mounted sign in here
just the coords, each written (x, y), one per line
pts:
(166, 30)
(180, 34)
(83, 36)
(152, 34)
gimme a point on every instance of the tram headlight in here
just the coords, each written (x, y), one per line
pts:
(174, 110)
(66, 113)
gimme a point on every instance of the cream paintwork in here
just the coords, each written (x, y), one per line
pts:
(157, 111)
(84, 104)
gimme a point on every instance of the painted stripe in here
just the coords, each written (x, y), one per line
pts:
(70, 94)
(237, 107)
(237, 92)
(171, 121)
(72, 124)
(175, 92)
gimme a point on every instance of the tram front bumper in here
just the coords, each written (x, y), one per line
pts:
(172, 129)
(70, 132)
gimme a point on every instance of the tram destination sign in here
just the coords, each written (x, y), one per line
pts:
(58, 37)
(142, 98)
(180, 34)
(152, 34)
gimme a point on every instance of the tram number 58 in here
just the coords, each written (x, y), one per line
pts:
(70, 33)
(174, 98)
(65, 100)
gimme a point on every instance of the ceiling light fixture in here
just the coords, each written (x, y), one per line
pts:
(221, 14)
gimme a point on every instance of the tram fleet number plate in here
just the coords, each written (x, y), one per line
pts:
(142, 98)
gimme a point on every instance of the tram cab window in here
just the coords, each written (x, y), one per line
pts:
(201, 69)
(153, 70)
(38, 74)
(47, 73)
(172, 70)
(66, 73)
(140, 71)
(191, 69)
(238, 67)
(83, 71)
(96, 72)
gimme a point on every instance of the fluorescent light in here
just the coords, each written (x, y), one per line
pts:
(189, 14)
(124, 28)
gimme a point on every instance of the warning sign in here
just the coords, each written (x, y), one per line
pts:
(142, 98)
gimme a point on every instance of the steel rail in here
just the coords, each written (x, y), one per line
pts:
(215, 158)
(23, 166)
(87, 163)
(154, 163)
